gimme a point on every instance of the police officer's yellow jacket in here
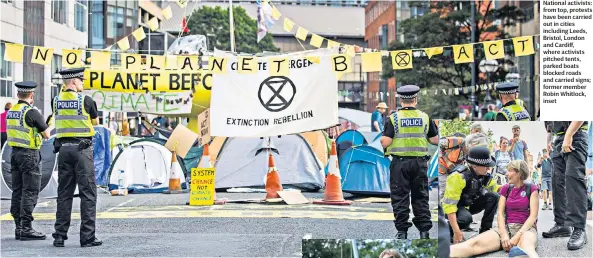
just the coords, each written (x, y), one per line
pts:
(20, 134)
(71, 119)
(410, 127)
(515, 112)
(463, 187)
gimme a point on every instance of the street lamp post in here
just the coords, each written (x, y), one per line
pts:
(488, 67)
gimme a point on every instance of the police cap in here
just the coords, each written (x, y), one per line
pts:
(507, 87)
(26, 86)
(73, 73)
(480, 156)
(408, 91)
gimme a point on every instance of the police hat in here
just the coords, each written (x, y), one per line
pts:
(73, 73)
(408, 91)
(26, 86)
(507, 87)
(480, 156)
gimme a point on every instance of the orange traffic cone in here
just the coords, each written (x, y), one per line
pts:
(333, 186)
(174, 179)
(272, 180)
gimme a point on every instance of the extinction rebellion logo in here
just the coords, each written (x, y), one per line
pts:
(282, 91)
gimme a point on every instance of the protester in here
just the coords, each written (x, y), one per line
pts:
(503, 158)
(7, 107)
(476, 137)
(452, 152)
(377, 118)
(391, 253)
(491, 115)
(518, 146)
(517, 219)
(545, 163)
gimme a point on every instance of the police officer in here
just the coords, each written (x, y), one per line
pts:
(470, 190)
(74, 116)
(569, 155)
(406, 137)
(511, 110)
(25, 129)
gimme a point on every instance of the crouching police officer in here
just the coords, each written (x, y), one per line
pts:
(511, 110)
(406, 137)
(74, 116)
(470, 190)
(25, 128)
(569, 155)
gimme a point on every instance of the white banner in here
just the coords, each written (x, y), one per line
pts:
(260, 104)
(150, 103)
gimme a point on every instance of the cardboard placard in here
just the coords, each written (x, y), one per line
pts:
(293, 197)
(204, 127)
(181, 140)
(202, 187)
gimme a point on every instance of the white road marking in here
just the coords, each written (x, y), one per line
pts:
(308, 236)
(43, 204)
(119, 205)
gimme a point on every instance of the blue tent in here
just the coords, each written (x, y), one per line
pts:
(364, 170)
(433, 166)
(348, 139)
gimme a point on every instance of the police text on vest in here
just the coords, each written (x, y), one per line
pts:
(67, 104)
(409, 122)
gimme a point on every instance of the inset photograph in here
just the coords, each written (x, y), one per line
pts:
(515, 189)
(369, 248)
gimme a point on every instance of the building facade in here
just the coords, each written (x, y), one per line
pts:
(54, 24)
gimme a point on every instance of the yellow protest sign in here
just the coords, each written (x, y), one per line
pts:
(433, 51)
(123, 44)
(100, 60)
(167, 13)
(217, 65)
(278, 66)
(247, 65)
(139, 34)
(401, 59)
(171, 62)
(523, 46)
(275, 13)
(71, 58)
(302, 33)
(316, 40)
(288, 24)
(161, 81)
(154, 62)
(463, 53)
(187, 63)
(494, 49)
(202, 187)
(372, 62)
(332, 44)
(153, 24)
(131, 62)
(13, 52)
(42, 55)
(341, 64)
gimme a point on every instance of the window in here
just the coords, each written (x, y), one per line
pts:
(384, 36)
(115, 22)
(97, 29)
(59, 11)
(6, 89)
(80, 15)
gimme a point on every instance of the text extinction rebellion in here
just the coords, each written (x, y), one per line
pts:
(266, 122)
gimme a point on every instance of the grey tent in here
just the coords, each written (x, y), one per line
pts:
(243, 162)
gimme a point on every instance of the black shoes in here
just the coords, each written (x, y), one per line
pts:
(402, 235)
(557, 231)
(17, 230)
(94, 242)
(424, 235)
(28, 233)
(578, 239)
(58, 241)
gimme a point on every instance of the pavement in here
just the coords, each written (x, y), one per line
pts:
(162, 225)
(546, 247)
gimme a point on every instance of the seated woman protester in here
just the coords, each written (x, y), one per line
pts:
(517, 218)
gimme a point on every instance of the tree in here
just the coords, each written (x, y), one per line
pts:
(448, 25)
(215, 20)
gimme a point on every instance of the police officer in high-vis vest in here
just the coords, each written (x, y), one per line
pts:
(25, 130)
(469, 190)
(74, 117)
(405, 138)
(511, 110)
(569, 155)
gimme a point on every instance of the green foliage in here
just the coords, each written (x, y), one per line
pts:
(448, 128)
(433, 29)
(215, 20)
(318, 248)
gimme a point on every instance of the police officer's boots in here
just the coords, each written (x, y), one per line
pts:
(28, 233)
(17, 230)
(424, 235)
(578, 239)
(557, 231)
(402, 235)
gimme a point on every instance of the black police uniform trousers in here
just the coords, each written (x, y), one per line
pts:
(76, 166)
(569, 181)
(408, 177)
(26, 183)
(487, 202)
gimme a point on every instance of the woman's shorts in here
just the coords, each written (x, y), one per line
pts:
(513, 228)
